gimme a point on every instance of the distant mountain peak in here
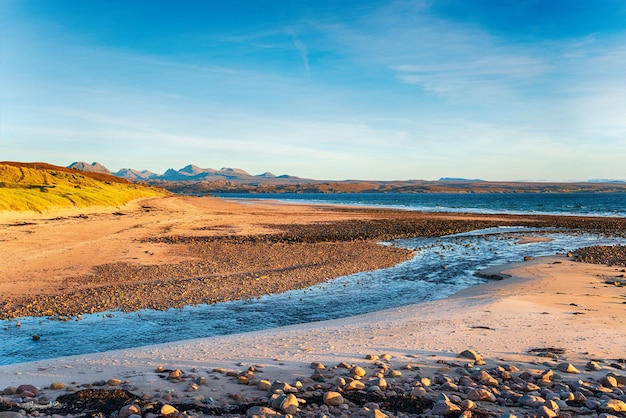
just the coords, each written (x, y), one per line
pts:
(193, 170)
(231, 170)
(135, 175)
(94, 167)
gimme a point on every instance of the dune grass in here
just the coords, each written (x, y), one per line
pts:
(31, 189)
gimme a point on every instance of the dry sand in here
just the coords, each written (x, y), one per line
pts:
(547, 302)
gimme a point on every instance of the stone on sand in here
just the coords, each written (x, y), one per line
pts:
(332, 398)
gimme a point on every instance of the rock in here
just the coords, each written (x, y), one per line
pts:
(450, 386)
(176, 374)
(290, 404)
(395, 373)
(547, 376)
(318, 376)
(168, 410)
(530, 387)
(372, 357)
(445, 407)
(264, 385)
(471, 354)
(377, 413)
(614, 405)
(277, 385)
(129, 410)
(527, 258)
(621, 380)
(487, 379)
(545, 412)
(26, 388)
(27, 394)
(579, 397)
(386, 357)
(260, 411)
(358, 371)
(114, 382)
(418, 392)
(380, 382)
(468, 404)
(317, 365)
(593, 366)
(609, 381)
(567, 368)
(592, 404)
(332, 398)
(57, 386)
(354, 385)
(531, 401)
(481, 395)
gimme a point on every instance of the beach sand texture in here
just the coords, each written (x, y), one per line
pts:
(569, 312)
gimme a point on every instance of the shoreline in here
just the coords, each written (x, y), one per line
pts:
(550, 303)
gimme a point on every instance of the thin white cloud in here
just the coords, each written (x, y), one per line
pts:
(302, 49)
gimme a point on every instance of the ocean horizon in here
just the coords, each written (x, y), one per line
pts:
(574, 204)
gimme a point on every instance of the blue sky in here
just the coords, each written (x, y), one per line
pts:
(493, 89)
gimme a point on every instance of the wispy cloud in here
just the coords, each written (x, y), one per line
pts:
(302, 49)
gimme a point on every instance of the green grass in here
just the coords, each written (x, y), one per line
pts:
(23, 188)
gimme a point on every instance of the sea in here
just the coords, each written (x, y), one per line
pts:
(441, 266)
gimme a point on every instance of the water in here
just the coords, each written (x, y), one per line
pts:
(587, 204)
(441, 267)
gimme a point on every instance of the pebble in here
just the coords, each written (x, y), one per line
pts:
(168, 410)
(469, 392)
(567, 368)
(57, 386)
(331, 398)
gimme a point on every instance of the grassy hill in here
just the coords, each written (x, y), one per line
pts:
(41, 186)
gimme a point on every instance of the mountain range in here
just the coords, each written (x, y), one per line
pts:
(190, 172)
(193, 179)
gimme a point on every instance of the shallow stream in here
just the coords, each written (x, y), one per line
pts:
(441, 267)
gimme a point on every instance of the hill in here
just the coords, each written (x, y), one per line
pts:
(41, 186)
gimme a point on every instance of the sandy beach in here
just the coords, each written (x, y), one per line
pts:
(548, 314)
